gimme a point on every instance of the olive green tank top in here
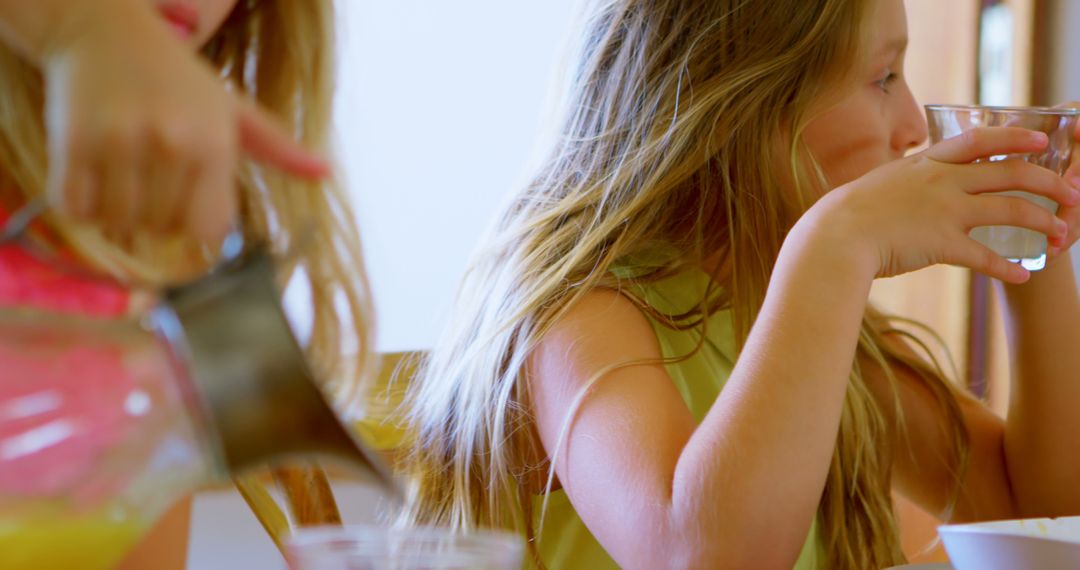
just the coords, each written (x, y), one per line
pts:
(565, 542)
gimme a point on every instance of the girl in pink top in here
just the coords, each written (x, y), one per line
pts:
(149, 157)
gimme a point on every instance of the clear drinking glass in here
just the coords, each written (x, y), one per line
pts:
(383, 548)
(1019, 245)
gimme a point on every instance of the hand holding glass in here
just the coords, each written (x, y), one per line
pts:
(1023, 246)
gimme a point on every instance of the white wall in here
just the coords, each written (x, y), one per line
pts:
(438, 110)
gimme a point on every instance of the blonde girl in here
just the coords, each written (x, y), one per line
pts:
(665, 358)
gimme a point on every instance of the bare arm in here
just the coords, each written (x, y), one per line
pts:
(1042, 321)
(741, 489)
(1043, 327)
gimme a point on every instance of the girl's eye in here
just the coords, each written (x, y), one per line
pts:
(886, 81)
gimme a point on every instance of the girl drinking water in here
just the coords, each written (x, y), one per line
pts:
(665, 356)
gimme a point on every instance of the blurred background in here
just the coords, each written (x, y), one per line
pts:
(442, 111)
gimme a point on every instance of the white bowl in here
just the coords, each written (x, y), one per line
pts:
(1014, 545)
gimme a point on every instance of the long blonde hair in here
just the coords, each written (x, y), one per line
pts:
(281, 53)
(678, 114)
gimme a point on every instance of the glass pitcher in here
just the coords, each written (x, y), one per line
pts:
(105, 422)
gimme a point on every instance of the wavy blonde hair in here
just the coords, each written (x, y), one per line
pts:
(678, 113)
(280, 53)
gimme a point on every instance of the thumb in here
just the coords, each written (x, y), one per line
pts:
(264, 139)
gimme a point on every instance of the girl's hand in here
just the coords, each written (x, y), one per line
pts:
(1070, 214)
(144, 136)
(917, 211)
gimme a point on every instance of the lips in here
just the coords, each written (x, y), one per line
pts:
(183, 18)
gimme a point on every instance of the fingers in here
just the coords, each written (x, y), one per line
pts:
(71, 183)
(166, 180)
(1072, 175)
(265, 141)
(212, 200)
(996, 210)
(162, 168)
(120, 185)
(153, 143)
(73, 191)
(173, 215)
(978, 257)
(985, 142)
(1071, 215)
(1008, 175)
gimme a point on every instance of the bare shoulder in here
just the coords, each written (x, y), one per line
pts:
(604, 348)
(603, 328)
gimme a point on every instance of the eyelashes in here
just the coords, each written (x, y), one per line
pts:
(886, 81)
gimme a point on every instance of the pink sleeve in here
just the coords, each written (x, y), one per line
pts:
(28, 281)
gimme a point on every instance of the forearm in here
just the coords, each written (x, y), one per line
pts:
(1043, 327)
(36, 28)
(756, 466)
